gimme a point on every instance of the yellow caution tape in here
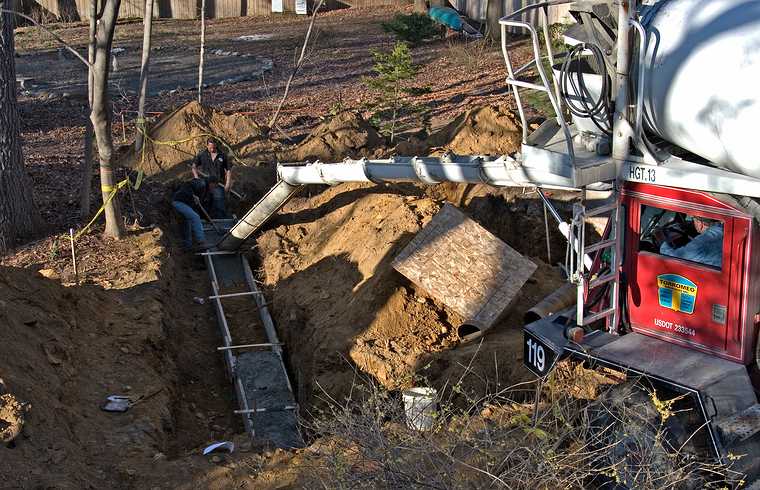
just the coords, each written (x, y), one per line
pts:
(140, 126)
(113, 191)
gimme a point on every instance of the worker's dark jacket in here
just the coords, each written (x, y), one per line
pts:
(218, 166)
(187, 190)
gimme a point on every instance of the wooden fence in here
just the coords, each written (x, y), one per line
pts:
(77, 10)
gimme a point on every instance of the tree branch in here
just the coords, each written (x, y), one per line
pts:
(53, 34)
(298, 64)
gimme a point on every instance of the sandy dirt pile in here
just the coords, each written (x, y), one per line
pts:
(340, 305)
(337, 301)
(335, 293)
(344, 135)
(179, 135)
(63, 351)
(488, 130)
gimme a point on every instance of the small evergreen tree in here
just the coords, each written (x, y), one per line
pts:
(393, 71)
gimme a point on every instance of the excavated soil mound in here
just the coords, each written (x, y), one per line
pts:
(489, 130)
(63, 350)
(179, 135)
(336, 294)
(346, 134)
(339, 304)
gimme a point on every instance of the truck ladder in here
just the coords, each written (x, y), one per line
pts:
(590, 281)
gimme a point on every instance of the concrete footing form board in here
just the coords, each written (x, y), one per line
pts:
(262, 387)
(466, 267)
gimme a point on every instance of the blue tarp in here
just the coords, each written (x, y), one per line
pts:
(446, 16)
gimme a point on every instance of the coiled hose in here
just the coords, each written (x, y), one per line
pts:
(584, 105)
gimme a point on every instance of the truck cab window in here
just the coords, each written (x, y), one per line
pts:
(685, 236)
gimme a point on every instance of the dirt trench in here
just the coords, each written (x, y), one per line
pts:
(133, 329)
(344, 314)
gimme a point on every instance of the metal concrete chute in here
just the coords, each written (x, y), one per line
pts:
(501, 171)
(258, 215)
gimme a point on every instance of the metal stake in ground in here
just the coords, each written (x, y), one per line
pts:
(74, 256)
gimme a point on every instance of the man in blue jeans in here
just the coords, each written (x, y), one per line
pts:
(188, 200)
(212, 163)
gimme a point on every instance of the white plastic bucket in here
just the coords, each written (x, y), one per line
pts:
(420, 405)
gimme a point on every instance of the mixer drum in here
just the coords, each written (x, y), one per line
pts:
(702, 86)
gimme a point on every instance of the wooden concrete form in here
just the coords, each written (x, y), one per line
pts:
(260, 379)
(463, 265)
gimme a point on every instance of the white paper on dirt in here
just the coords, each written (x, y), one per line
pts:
(219, 446)
(277, 6)
(301, 7)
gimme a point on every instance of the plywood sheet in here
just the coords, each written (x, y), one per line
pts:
(464, 266)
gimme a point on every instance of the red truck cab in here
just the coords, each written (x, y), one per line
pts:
(689, 312)
(704, 301)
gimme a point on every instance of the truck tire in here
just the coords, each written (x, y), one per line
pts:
(632, 446)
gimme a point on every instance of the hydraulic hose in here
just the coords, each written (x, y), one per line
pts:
(571, 76)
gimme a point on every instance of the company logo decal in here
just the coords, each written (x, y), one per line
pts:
(677, 293)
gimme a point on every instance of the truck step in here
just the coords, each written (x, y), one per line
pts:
(741, 426)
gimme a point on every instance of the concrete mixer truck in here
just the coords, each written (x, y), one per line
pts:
(657, 103)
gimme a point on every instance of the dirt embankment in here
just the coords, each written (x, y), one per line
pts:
(344, 135)
(338, 303)
(488, 130)
(333, 286)
(64, 350)
(132, 330)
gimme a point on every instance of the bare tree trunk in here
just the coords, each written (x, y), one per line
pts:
(300, 61)
(19, 215)
(494, 12)
(101, 117)
(147, 34)
(86, 170)
(203, 50)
